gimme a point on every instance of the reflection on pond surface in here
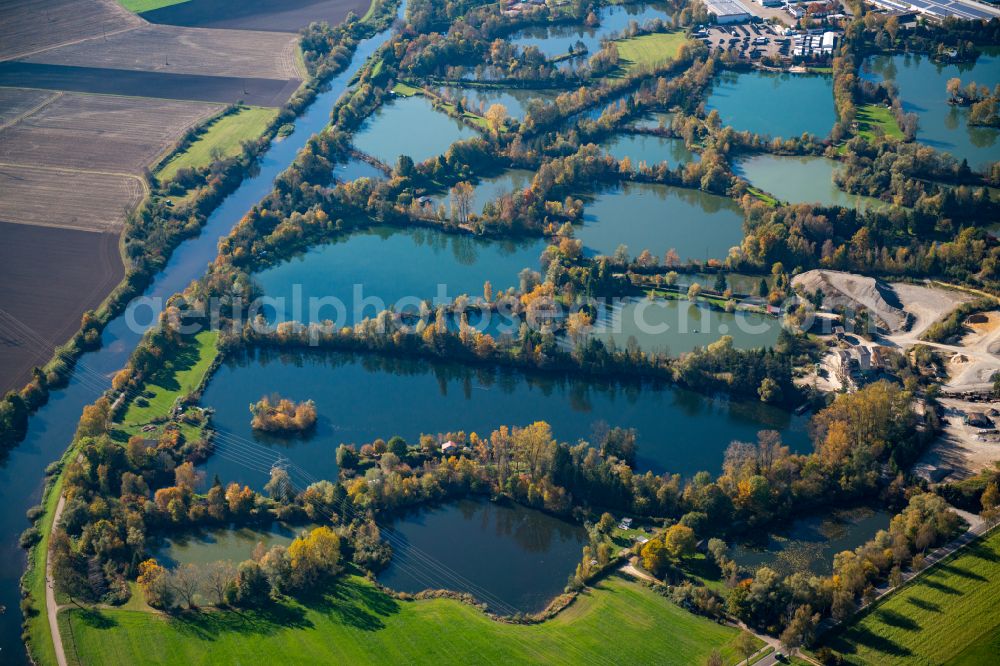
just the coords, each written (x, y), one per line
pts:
(366, 396)
(488, 190)
(409, 126)
(510, 557)
(774, 104)
(809, 544)
(360, 274)
(649, 216)
(222, 544)
(649, 149)
(479, 99)
(677, 326)
(922, 90)
(558, 39)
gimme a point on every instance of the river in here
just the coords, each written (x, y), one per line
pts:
(51, 429)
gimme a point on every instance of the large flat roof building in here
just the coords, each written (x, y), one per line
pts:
(727, 11)
(969, 10)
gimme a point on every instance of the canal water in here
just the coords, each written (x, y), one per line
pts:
(922, 90)
(362, 397)
(51, 429)
(511, 558)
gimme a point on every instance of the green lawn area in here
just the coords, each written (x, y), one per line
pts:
(649, 50)
(37, 627)
(224, 135)
(139, 6)
(179, 376)
(947, 615)
(353, 623)
(870, 116)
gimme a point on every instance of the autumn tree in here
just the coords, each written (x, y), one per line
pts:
(152, 581)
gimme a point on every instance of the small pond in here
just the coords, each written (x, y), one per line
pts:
(489, 189)
(922, 90)
(642, 216)
(360, 274)
(409, 126)
(479, 99)
(222, 544)
(679, 326)
(557, 40)
(510, 557)
(649, 149)
(799, 180)
(810, 543)
(774, 104)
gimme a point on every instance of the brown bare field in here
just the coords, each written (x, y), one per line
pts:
(100, 133)
(78, 200)
(176, 50)
(286, 16)
(50, 277)
(17, 102)
(27, 26)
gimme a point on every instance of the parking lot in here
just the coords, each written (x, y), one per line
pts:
(748, 40)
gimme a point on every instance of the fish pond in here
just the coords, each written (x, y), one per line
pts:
(489, 189)
(679, 326)
(922, 90)
(222, 544)
(650, 149)
(774, 104)
(479, 98)
(810, 543)
(409, 126)
(799, 180)
(560, 39)
(364, 272)
(654, 217)
(362, 397)
(511, 558)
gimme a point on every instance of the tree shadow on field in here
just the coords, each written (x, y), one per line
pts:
(961, 572)
(845, 642)
(263, 621)
(898, 620)
(95, 619)
(941, 587)
(185, 359)
(923, 604)
(354, 604)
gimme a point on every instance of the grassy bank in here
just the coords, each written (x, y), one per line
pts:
(36, 625)
(947, 615)
(649, 50)
(871, 116)
(180, 376)
(220, 140)
(139, 6)
(353, 623)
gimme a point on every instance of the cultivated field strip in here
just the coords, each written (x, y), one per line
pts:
(175, 50)
(29, 26)
(16, 103)
(50, 277)
(100, 133)
(85, 201)
(286, 16)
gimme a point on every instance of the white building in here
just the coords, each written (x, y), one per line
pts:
(727, 11)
